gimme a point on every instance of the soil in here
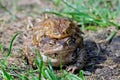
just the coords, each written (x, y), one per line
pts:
(103, 57)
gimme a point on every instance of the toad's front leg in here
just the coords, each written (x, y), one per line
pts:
(79, 61)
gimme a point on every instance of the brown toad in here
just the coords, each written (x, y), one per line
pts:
(57, 39)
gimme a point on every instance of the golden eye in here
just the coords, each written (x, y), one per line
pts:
(68, 31)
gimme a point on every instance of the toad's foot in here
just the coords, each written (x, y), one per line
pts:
(72, 69)
(80, 61)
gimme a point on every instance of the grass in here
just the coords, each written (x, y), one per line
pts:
(2, 48)
(13, 10)
(89, 13)
(11, 43)
(4, 8)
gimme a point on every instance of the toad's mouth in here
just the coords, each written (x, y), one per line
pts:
(59, 50)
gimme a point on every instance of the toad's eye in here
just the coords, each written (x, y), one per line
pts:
(70, 41)
(54, 55)
(67, 31)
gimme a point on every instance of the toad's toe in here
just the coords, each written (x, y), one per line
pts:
(72, 69)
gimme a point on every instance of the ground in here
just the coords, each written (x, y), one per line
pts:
(103, 58)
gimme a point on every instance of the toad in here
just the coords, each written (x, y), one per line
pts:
(57, 39)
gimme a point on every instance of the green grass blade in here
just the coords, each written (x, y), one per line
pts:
(52, 12)
(51, 73)
(111, 36)
(81, 75)
(93, 28)
(11, 43)
(2, 48)
(70, 5)
(73, 77)
(33, 77)
(6, 76)
(23, 77)
(4, 8)
(39, 66)
(56, 2)
(3, 64)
